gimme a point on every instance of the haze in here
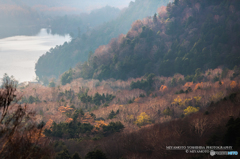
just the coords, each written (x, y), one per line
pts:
(67, 6)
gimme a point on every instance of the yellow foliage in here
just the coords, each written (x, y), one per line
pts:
(130, 117)
(168, 111)
(100, 124)
(186, 101)
(163, 88)
(167, 20)
(233, 84)
(177, 100)
(180, 102)
(217, 96)
(197, 99)
(143, 119)
(190, 109)
(188, 84)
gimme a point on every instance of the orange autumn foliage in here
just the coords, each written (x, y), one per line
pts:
(218, 84)
(198, 85)
(233, 84)
(48, 124)
(64, 109)
(34, 135)
(188, 84)
(137, 99)
(87, 118)
(163, 88)
(98, 125)
(68, 120)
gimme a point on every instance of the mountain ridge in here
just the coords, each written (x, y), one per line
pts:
(186, 35)
(69, 54)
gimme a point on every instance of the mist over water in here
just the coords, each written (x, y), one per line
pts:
(18, 54)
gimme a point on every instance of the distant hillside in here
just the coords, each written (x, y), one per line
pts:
(184, 36)
(12, 14)
(62, 7)
(76, 25)
(61, 58)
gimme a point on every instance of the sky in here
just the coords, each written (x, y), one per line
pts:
(77, 5)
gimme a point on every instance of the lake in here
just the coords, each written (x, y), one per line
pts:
(18, 54)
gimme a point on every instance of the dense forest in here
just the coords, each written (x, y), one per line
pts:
(69, 54)
(172, 80)
(136, 118)
(184, 36)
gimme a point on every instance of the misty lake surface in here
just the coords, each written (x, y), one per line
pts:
(18, 54)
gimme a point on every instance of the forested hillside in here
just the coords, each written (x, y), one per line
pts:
(184, 36)
(61, 58)
(172, 80)
(76, 25)
(139, 117)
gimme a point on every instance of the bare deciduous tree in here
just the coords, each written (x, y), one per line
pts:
(20, 136)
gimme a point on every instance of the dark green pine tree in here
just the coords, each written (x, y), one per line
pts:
(155, 18)
(63, 155)
(95, 155)
(76, 156)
